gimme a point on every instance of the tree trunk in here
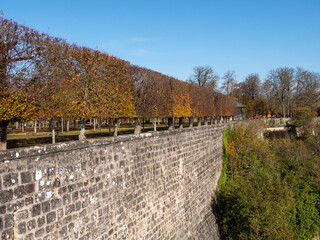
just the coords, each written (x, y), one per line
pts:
(115, 127)
(99, 124)
(53, 134)
(199, 121)
(62, 126)
(181, 122)
(170, 122)
(154, 120)
(58, 128)
(191, 122)
(68, 125)
(35, 126)
(3, 134)
(82, 134)
(22, 127)
(137, 127)
(206, 121)
(94, 124)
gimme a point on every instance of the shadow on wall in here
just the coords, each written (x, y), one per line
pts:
(219, 221)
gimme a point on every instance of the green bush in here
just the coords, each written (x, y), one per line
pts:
(268, 189)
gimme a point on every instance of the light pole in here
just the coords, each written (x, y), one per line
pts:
(171, 82)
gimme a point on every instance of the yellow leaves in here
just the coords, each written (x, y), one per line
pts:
(16, 107)
(231, 149)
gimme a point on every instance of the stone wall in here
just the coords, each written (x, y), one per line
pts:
(149, 186)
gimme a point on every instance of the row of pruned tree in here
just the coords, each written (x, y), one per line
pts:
(46, 78)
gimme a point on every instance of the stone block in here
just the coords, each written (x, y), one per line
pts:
(6, 196)
(19, 191)
(36, 210)
(51, 217)
(10, 179)
(25, 177)
(22, 228)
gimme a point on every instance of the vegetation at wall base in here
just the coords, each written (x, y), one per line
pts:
(269, 189)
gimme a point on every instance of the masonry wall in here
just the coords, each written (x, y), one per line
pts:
(149, 186)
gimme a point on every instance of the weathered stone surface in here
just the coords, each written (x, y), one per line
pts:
(10, 179)
(25, 177)
(51, 217)
(22, 228)
(36, 210)
(149, 186)
(6, 196)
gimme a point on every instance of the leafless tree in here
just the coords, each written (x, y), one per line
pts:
(204, 76)
(229, 82)
(307, 89)
(282, 83)
(251, 86)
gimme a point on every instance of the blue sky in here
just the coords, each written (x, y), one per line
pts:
(248, 36)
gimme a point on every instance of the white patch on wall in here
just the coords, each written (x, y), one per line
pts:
(49, 194)
(17, 155)
(38, 174)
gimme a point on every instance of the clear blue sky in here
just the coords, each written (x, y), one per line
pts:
(248, 36)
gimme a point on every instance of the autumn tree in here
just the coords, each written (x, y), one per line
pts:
(17, 51)
(53, 100)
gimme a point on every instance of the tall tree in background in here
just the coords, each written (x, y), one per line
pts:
(281, 83)
(229, 81)
(307, 92)
(204, 76)
(251, 87)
